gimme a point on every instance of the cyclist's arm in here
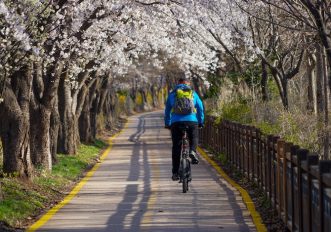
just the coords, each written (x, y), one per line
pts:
(200, 109)
(167, 112)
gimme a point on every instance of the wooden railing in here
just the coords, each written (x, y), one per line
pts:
(296, 182)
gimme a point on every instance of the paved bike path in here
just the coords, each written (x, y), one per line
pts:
(132, 191)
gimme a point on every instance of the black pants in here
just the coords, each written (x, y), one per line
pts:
(176, 134)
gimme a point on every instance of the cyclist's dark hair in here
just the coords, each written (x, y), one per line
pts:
(183, 80)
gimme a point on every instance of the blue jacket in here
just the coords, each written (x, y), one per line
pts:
(171, 117)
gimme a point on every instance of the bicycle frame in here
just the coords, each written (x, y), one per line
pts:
(185, 146)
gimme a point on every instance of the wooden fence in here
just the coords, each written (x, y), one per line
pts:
(296, 182)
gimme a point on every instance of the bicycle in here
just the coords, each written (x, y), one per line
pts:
(185, 164)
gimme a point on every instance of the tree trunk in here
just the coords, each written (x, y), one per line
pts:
(326, 110)
(88, 116)
(15, 123)
(85, 131)
(74, 128)
(84, 119)
(282, 74)
(323, 29)
(264, 82)
(282, 87)
(319, 83)
(285, 93)
(155, 91)
(110, 109)
(144, 99)
(196, 84)
(67, 143)
(2, 197)
(41, 107)
(3, 77)
(40, 137)
(15, 136)
(94, 114)
(54, 129)
(310, 89)
(322, 100)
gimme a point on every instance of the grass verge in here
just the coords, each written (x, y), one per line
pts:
(23, 200)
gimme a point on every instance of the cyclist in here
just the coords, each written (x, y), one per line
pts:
(184, 108)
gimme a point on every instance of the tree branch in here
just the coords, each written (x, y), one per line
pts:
(216, 37)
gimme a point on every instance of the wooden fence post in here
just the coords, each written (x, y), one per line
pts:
(273, 169)
(301, 156)
(241, 148)
(265, 163)
(249, 152)
(252, 154)
(259, 157)
(295, 184)
(231, 142)
(226, 140)
(291, 204)
(269, 161)
(236, 145)
(220, 134)
(312, 160)
(324, 167)
(279, 156)
(287, 148)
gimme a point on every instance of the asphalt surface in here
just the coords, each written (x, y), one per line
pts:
(132, 191)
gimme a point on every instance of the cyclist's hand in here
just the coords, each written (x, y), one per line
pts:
(201, 125)
(167, 127)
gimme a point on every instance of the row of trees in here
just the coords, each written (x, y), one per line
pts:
(62, 61)
(279, 38)
(261, 40)
(292, 39)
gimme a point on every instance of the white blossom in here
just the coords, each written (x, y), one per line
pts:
(121, 32)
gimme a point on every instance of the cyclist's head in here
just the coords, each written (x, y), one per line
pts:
(183, 80)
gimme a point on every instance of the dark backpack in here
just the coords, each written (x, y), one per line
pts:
(184, 101)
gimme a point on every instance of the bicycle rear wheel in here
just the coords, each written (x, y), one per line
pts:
(185, 174)
(185, 185)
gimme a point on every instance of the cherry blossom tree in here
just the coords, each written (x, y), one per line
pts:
(67, 54)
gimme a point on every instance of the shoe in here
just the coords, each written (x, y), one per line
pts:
(175, 177)
(194, 157)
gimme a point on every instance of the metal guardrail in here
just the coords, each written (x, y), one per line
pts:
(296, 182)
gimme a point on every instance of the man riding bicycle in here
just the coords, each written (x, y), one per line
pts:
(184, 109)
